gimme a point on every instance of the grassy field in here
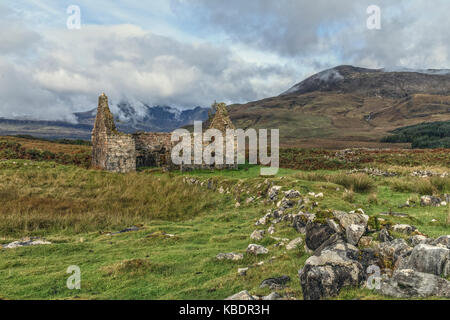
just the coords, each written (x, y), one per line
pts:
(182, 227)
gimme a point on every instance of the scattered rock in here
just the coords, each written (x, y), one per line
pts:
(242, 271)
(237, 205)
(300, 220)
(294, 244)
(230, 256)
(249, 200)
(256, 249)
(272, 296)
(243, 295)
(133, 228)
(430, 201)
(275, 283)
(291, 194)
(25, 243)
(271, 230)
(273, 193)
(257, 235)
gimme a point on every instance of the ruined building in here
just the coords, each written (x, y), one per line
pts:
(120, 152)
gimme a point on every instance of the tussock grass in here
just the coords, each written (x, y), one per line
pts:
(423, 186)
(357, 182)
(78, 200)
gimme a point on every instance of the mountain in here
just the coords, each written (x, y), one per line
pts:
(347, 106)
(128, 118)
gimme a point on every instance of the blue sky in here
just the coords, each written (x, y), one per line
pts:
(186, 53)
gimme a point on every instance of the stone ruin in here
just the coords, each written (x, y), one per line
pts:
(120, 152)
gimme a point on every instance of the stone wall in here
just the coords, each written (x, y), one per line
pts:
(152, 149)
(120, 152)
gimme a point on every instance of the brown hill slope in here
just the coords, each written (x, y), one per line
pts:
(349, 107)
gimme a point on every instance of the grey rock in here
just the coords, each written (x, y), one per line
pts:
(404, 228)
(384, 236)
(294, 244)
(273, 296)
(300, 221)
(243, 295)
(407, 283)
(417, 239)
(444, 240)
(393, 252)
(273, 193)
(242, 271)
(275, 283)
(256, 249)
(354, 224)
(257, 235)
(430, 201)
(317, 234)
(25, 243)
(291, 194)
(429, 259)
(325, 275)
(230, 256)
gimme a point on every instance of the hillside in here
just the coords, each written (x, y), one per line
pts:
(348, 106)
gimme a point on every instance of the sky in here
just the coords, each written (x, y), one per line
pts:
(187, 53)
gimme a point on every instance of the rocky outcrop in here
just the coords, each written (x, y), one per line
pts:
(323, 276)
(408, 283)
(429, 259)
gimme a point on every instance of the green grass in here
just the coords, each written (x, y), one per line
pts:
(74, 208)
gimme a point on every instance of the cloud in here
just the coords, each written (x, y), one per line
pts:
(413, 34)
(70, 68)
(189, 53)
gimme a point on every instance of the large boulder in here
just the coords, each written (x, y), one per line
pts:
(317, 234)
(325, 275)
(429, 259)
(408, 283)
(354, 224)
